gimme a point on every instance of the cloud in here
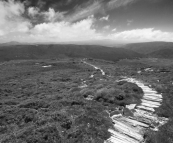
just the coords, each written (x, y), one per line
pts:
(118, 3)
(142, 35)
(10, 9)
(11, 19)
(48, 16)
(114, 29)
(64, 31)
(97, 6)
(14, 25)
(106, 27)
(57, 27)
(41, 3)
(84, 11)
(53, 16)
(33, 11)
(106, 18)
(68, 2)
(1, 33)
(82, 31)
(129, 22)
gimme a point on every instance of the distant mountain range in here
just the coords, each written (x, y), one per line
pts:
(52, 51)
(11, 43)
(14, 50)
(163, 53)
(105, 42)
(152, 49)
(149, 47)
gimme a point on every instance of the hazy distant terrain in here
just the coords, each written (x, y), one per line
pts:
(163, 53)
(149, 47)
(13, 52)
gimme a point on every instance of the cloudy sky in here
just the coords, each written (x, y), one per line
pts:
(121, 21)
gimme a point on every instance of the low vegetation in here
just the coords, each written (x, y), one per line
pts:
(44, 105)
(47, 105)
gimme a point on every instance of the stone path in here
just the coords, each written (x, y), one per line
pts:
(95, 67)
(131, 129)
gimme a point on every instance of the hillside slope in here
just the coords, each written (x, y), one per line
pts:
(57, 51)
(163, 53)
(149, 47)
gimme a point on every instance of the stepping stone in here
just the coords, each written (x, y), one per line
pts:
(150, 105)
(147, 116)
(134, 122)
(150, 102)
(146, 97)
(122, 138)
(128, 130)
(131, 129)
(153, 95)
(127, 112)
(149, 92)
(143, 120)
(115, 113)
(146, 108)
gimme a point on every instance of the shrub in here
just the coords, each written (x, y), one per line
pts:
(34, 104)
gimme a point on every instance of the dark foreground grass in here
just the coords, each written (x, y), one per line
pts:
(160, 78)
(47, 105)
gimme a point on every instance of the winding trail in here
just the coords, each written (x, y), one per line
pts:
(95, 67)
(132, 129)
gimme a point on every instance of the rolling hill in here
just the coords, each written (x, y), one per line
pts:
(149, 47)
(14, 52)
(163, 53)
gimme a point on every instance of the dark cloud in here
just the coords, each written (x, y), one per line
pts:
(69, 5)
(59, 5)
(45, 11)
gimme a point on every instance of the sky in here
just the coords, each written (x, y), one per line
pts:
(118, 21)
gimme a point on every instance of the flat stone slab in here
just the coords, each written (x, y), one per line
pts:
(131, 129)
(146, 108)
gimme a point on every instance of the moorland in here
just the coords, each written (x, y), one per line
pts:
(48, 96)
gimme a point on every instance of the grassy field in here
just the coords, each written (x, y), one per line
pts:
(160, 77)
(49, 105)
